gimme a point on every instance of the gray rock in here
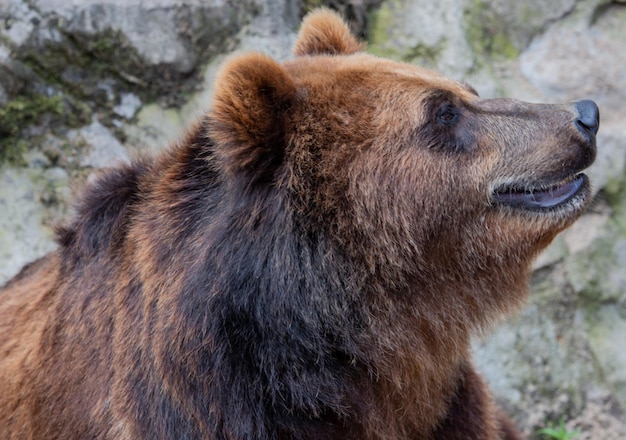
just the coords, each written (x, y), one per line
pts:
(541, 360)
(607, 327)
(424, 32)
(12, 75)
(128, 106)
(608, 170)
(18, 22)
(164, 32)
(102, 148)
(24, 235)
(573, 59)
(151, 47)
(520, 21)
(272, 31)
(600, 419)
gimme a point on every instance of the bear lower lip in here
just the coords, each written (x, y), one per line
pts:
(544, 198)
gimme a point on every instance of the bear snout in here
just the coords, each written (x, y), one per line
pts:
(588, 121)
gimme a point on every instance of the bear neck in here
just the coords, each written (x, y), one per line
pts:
(314, 331)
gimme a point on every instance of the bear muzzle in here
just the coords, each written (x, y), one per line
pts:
(571, 190)
(588, 121)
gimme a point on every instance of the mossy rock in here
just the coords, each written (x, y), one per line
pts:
(598, 273)
(382, 42)
(21, 112)
(487, 32)
(79, 63)
(25, 110)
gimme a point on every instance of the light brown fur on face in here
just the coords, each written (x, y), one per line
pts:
(309, 262)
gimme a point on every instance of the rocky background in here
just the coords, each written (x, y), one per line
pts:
(88, 83)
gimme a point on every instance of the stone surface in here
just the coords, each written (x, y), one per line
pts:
(102, 149)
(573, 58)
(541, 360)
(128, 106)
(428, 33)
(522, 20)
(92, 53)
(273, 31)
(24, 233)
(163, 32)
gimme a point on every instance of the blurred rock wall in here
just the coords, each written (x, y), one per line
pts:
(88, 83)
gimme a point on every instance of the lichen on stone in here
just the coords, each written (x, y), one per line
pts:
(381, 43)
(18, 113)
(486, 32)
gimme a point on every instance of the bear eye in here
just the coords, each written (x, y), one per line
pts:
(448, 114)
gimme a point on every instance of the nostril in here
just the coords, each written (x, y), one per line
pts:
(588, 116)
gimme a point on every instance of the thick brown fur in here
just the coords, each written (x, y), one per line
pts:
(309, 262)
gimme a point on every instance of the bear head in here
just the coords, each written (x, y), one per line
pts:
(411, 175)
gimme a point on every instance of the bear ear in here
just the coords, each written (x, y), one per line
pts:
(249, 113)
(323, 32)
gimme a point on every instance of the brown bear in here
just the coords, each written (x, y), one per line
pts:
(309, 262)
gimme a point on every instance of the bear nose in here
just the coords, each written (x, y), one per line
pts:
(588, 121)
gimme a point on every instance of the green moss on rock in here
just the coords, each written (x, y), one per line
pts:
(381, 41)
(380, 21)
(486, 32)
(80, 62)
(598, 273)
(19, 113)
(614, 193)
(25, 110)
(309, 5)
(424, 55)
(12, 150)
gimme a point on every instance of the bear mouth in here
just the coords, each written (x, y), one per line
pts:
(543, 197)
